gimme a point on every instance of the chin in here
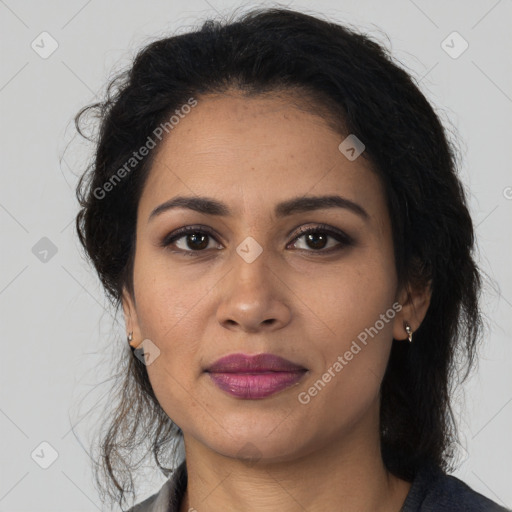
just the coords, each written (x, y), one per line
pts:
(254, 444)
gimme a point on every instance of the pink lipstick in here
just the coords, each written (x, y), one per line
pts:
(254, 377)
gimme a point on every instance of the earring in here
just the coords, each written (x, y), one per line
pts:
(129, 339)
(408, 330)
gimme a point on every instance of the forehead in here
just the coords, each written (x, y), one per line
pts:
(254, 152)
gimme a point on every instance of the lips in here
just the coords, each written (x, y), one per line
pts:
(242, 363)
(254, 377)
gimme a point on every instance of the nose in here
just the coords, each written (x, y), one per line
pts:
(253, 298)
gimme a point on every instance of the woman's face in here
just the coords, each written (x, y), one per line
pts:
(249, 282)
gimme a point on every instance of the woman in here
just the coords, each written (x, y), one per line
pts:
(276, 207)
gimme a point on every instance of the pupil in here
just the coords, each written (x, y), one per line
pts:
(311, 238)
(194, 237)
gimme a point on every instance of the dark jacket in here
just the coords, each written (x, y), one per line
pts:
(431, 491)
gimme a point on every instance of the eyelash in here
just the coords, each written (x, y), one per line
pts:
(340, 236)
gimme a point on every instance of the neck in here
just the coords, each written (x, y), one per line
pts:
(347, 475)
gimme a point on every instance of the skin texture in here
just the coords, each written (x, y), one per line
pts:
(292, 300)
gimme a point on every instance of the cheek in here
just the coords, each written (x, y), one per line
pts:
(171, 319)
(164, 297)
(352, 359)
(349, 296)
(168, 310)
(350, 326)
(169, 315)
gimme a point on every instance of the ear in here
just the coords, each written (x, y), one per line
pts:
(130, 318)
(415, 303)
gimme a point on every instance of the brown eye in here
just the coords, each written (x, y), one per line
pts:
(317, 239)
(196, 241)
(190, 239)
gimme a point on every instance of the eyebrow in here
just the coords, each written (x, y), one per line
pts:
(302, 204)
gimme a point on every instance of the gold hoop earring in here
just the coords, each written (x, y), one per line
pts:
(408, 330)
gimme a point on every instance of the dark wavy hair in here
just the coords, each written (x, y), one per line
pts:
(361, 90)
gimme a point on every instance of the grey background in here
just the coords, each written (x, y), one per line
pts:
(60, 340)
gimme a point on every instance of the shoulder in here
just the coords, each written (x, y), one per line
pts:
(435, 491)
(168, 498)
(453, 494)
(156, 502)
(146, 505)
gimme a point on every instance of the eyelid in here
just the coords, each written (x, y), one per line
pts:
(180, 232)
(342, 238)
(336, 233)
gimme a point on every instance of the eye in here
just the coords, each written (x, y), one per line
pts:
(316, 238)
(195, 239)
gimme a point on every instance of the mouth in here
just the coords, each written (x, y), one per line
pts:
(254, 377)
